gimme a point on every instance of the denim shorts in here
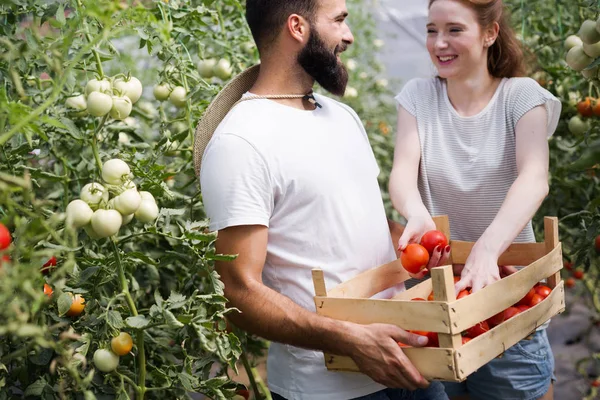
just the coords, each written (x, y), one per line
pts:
(524, 372)
(435, 391)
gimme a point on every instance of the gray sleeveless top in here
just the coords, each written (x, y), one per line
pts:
(469, 163)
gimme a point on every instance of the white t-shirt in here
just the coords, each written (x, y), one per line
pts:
(311, 178)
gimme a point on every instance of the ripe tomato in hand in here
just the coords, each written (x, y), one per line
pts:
(527, 299)
(536, 299)
(478, 329)
(414, 258)
(543, 291)
(432, 239)
(5, 238)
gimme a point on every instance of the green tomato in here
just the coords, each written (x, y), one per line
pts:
(77, 102)
(147, 196)
(128, 202)
(106, 360)
(95, 85)
(248, 47)
(577, 59)
(115, 172)
(577, 126)
(178, 97)
(350, 93)
(588, 32)
(572, 41)
(99, 104)
(590, 73)
(78, 213)
(127, 219)
(223, 69)
(106, 223)
(94, 194)
(147, 212)
(161, 92)
(121, 107)
(592, 50)
(205, 67)
(131, 88)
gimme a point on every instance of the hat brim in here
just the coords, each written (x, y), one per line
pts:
(218, 109)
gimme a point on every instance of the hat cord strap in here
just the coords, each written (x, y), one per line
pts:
(308, 97)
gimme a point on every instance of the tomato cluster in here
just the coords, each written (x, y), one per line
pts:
(415, 256)
(535, 296)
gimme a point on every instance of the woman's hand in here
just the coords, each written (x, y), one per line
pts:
(480, 269)
(415, 228)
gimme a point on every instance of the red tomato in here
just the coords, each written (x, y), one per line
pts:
(430, 297)
(523, 307)
(48, 266)
(456, 279)
(597, 243)
(463, 293)
(417, 299)
(48, 290)
(568, 265)
(528, 296)
(570, 282)
(5, 238)
(543, 291)
(595, 383)
(578, 274)
(465, 339)
(433, 339)
(584, 107)
(244, 393)
(402, 344)
(422, 333)
(4, 259)
(511, 312)
(414, 258)
(432, 239)
(478, 329)
(497, 319)
(537, 299)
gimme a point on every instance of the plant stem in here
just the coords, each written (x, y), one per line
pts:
(250, 373)
(95, 144)
(141, 389)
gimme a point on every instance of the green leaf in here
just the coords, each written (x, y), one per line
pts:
(137, 322)
(142, 257)
(64, 303)
(114, 319)
(60, 15)
(36, 388)
(171, 321)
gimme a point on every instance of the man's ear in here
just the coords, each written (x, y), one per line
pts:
(298, 28)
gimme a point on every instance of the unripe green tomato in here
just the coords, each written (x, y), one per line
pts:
(106, 222)
(147, 212)
(128, 202)
(78, 213)
(572, 41)
(106, 360)
(121, 107)
(95, 85)
(205, 67)
(76, 102)
(162, 92)
(99, 104)
(147, 196)
(94, 194)
(588, 32)
(223, 69)
(592, 50)
(577, 59)
(131, 88)
(590, 73)
(577, 126)
(115, 172)
(178, 96)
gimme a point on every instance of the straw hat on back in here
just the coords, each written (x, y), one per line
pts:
(218, 108)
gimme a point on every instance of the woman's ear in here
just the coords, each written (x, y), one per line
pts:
(491, 34)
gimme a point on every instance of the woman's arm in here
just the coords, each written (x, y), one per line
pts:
(522, 201)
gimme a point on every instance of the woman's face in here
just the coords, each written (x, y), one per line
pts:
(455, 41)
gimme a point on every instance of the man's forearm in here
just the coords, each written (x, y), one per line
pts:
(268, 314)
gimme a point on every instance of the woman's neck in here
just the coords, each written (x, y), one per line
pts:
(470, 95)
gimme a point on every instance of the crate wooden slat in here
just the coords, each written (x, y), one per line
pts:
(452, 361)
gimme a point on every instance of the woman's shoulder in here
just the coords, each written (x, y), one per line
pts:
(430, 85)
(519, 85)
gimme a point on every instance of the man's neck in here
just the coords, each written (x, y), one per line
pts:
(281, 78)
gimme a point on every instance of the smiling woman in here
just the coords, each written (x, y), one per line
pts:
(472, 144)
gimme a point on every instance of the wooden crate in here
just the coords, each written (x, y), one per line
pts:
(452, 361)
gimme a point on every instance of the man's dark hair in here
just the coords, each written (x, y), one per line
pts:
(266, 18)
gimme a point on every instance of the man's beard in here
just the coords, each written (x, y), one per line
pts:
(322, 64)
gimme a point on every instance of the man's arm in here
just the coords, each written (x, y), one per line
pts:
(275, 317)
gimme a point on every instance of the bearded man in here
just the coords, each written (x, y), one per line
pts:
(289, 181)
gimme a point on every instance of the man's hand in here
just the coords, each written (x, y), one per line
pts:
(376, 352)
